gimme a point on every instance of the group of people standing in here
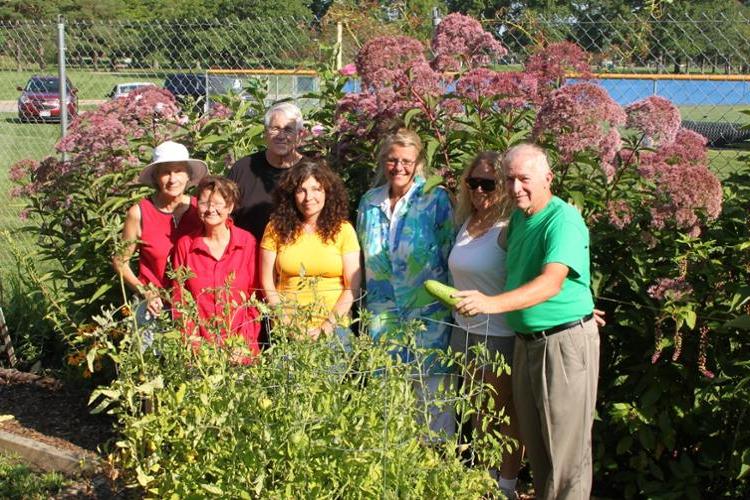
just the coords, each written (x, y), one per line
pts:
(278, 223)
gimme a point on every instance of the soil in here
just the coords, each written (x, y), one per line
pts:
(48, 411)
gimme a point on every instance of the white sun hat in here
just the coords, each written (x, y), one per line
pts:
(171, 152)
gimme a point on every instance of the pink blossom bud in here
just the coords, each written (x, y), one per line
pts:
(348, 70)
(317, 130)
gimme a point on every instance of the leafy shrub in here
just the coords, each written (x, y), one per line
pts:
(306, 419)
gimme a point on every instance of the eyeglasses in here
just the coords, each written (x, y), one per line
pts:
(395, 161)
(280, 130)
(487, 185)
(213, 206)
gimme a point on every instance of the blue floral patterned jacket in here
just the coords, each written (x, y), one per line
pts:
(394, 276)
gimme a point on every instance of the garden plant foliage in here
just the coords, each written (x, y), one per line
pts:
(306, 419)
(669, 242)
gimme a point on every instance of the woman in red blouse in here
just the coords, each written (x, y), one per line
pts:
(222, 261)
(153, 225)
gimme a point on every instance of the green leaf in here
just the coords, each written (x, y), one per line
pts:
(430, 149)
(212, 489)
(624, 444)
(745, 467)
(90, 357)
(742, 322)
(409, 116)
(100, 291)
(432, 182)
(690, 318)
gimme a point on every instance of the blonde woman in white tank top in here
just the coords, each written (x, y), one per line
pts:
(477, 262)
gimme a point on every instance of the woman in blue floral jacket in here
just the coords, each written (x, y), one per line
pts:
(406, 233)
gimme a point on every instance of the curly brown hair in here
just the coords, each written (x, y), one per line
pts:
(287, 221)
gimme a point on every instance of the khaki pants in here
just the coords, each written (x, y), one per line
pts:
(554, 390)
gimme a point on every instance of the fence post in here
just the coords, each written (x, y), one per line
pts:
(63, 82)
(339, 45)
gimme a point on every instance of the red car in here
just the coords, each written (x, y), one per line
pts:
(40, 99)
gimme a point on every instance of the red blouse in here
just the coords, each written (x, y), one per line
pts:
(221, 287)
(159, 233)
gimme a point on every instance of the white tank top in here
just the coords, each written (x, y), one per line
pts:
(479, 264)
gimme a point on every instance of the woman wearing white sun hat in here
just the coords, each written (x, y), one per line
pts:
(153, 225)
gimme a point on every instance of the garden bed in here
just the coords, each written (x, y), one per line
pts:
(42, 419)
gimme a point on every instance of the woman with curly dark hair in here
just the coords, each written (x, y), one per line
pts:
(309, 251)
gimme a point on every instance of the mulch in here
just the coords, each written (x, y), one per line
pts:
(49, 411)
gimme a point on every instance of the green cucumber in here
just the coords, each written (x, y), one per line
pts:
(442, 292)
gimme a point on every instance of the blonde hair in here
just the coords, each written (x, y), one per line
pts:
(464, 207)
(405, 138)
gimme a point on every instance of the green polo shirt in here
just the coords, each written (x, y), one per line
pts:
(557, 233)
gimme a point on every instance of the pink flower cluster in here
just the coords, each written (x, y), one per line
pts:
(581, 117)
(385, 60)
(656, 118)
(460, 42)
(620, 213)
(670, 289)
(551, 64)
(395, 77)
(687, 191)
(99, 142)
(507, 90)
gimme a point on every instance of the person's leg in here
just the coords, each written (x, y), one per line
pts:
(528, 393)
(503, 399)
(572, 359)
(434, 394)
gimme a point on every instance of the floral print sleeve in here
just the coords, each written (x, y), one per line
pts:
(394, 277)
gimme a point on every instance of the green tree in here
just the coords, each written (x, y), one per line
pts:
(248, 9)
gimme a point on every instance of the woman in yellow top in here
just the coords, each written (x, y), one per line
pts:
(309, 252)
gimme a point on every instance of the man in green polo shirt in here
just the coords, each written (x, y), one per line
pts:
(548, 303)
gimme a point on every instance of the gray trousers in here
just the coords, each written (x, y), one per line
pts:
(554, 391)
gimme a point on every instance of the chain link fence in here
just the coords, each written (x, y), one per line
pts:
(700, 63)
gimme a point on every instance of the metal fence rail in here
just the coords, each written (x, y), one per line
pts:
(699, 62)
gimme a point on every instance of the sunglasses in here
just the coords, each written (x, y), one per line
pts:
(487, 185)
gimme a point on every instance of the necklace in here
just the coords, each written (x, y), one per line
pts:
(478, 226)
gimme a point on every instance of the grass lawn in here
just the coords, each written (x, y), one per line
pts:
(19, 141)
(715, 113)
(19, 481)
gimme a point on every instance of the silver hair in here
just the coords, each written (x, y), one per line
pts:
(288, 109)
(535, 152)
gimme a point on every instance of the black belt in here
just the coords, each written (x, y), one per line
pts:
(555, 329)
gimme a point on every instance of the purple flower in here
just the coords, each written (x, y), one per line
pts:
(687, 191)
(385, 59)
(508, 90)
(670, 289)
(581, 117)
(317, 130)
(655, 117)
(620, 214)
(461, 42)
(348, 70)
(552, 63)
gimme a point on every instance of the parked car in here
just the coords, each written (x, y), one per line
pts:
(123, 89)
(40, 99)
(187, 85)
